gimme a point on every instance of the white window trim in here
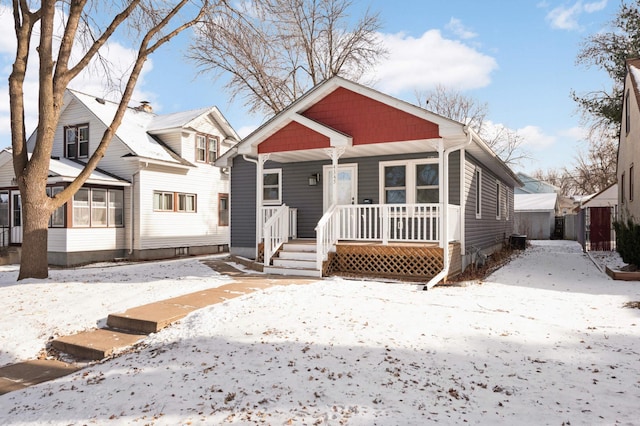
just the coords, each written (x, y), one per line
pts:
(478, 176)
(410, 177)
(279, 200)
(498, 200)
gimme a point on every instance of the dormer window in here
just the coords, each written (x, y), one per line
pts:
(76, 141)
(206, 149)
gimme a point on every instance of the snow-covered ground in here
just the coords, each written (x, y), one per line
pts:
(546, 339)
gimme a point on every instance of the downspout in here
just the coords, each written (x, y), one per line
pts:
(445, 210)
(131, 215)
(258, 201)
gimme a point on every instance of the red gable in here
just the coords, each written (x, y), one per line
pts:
(366, 120)
(292, 137)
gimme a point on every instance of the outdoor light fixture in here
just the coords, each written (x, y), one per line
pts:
(314, 179)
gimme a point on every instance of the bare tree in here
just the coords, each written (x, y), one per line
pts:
(596, 168)
(154, 23)
(273, 51)
(505, 142)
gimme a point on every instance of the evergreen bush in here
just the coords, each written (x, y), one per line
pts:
(628, 241)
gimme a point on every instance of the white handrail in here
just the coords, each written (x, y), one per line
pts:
(276, 232)
(326, 236)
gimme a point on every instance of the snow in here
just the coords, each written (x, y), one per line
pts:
(546, 339)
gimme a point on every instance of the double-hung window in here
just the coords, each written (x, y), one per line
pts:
(272, 187)
(411, 181)
(76, 141)
(98, 208)
(164, 201)
(478, 185)
(206, 148)
(498, 200)
(223, 209)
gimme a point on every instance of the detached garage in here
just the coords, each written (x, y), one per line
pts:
(535, 215)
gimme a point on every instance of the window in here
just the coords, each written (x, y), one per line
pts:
(223, 209)
(164, 202)
(116, 208)
(76, 141)
(498, 200)
(57, 217)
(81, 208)
(478, 193)
(272, 186)
(631, 183)
(627, 113)
(17, 210)
(413, 181)
(206, 149)
(96, 207)
(395, 184)
(622, 194)
(213, 149)
(4, 208)
(427, 183)
(186, 202)
(99, 207)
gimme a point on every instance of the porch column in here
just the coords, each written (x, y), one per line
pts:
(334, 153)
(443, 195)
(262, 158)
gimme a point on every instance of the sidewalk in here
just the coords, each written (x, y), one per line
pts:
(130, 327)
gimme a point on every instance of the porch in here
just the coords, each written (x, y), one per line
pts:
(401, 241)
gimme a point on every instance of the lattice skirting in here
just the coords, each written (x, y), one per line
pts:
(393, 261)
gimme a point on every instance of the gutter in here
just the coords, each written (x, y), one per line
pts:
(445, 213)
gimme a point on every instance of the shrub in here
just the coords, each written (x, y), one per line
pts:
(628, 241)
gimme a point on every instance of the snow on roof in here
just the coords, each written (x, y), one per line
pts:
(174, 120)
(535, 202)
(133, 129)
(66, 169)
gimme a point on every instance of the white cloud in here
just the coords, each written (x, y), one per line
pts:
(458, 28)
(566, 18)
(424, 62)
(246, 130)
(534, 138)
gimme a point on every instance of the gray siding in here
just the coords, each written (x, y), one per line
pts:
(308, 199)
(488, 232)
(243, 204)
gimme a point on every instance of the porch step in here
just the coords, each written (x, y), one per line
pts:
(298, 255)
(299, 247)
(302, 272)
(294, 263)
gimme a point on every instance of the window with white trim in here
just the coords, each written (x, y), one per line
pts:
(223, 209)
(76, 141)
(186, 203)
(410, 181)
(498, 200)
(478, 181)
(272, 186)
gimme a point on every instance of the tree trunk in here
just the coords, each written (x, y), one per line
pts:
(35, 224)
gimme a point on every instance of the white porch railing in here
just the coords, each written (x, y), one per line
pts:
(276, 232)
(383, 222)
(267, 212)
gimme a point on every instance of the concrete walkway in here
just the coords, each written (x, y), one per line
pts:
(127, 328)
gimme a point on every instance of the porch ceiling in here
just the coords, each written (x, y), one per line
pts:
(370, 150)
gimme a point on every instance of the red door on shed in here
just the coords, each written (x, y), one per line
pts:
(600, 228)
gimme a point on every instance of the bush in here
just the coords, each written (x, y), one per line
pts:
(628, 241)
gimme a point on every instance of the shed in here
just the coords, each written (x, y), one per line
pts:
(535, 215)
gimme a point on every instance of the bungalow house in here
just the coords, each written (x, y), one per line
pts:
(628, 152)
(155, 193)
(348, 179)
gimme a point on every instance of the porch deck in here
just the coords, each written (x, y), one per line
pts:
(397, 260)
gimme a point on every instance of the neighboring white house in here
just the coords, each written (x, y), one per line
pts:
(535, 215)
(156, 193)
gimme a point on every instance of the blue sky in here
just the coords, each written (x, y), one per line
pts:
(517, 56)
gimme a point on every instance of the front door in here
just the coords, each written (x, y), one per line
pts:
(16, 217)
(347, 185)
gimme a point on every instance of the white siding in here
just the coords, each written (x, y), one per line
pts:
(86, 239)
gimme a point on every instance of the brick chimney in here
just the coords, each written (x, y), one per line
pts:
(144, 106)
